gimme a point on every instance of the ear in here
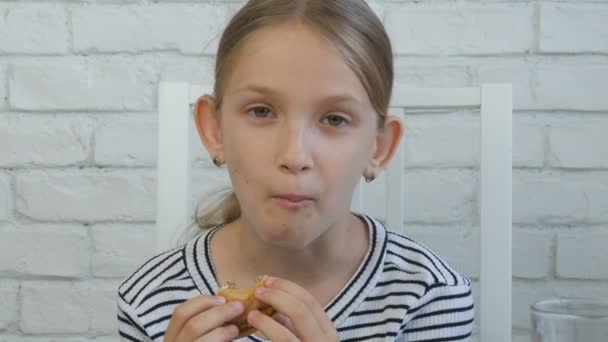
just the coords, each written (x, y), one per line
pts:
(207, 120)
(386, 143)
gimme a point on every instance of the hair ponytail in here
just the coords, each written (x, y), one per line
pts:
(221, 212)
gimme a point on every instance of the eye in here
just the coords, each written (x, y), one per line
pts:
(259, 112)
(336, 120)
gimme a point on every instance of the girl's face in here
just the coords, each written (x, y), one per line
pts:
(297, 132)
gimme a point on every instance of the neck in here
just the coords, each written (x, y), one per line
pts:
(308, 265)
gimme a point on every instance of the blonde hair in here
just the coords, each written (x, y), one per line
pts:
(352, 28)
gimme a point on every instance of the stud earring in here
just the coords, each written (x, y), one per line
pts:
(217, 162)
(369, 177)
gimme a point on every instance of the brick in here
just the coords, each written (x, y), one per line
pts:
(44, 140)
(69, 308)
(9, 291)
(3, 82)
(582, 255)
(441, 141)
(573, 28)
(528, 142)
(197, 70)
(579, 143)
(518, 73)
(439, 196)
(460, 249)
(580, 288)
(53, 307)
(115, 143)
(560, 198)
(532, 254)
(524, 294)
(113, 253)
(100, 303)
(422, 30)
(64, 250)
(33, 29)
(586, 90)
(187, 28)
(84, 83)
(87, 195)
(6, 197)
(413, 73)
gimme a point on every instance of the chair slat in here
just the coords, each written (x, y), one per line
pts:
(496, 212)
(172, 200)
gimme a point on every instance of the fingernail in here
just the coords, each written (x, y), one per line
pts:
(270, 280)
(219, 300)
(260, 291)
(236, 305)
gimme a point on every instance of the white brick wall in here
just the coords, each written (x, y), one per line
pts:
(86, 195)
(78, 136)
(81, 83)
(3, 93)
(126, 140)
(33, 29)
(420, 29)
(573, 28)
(50, 140)
(6, 197)
(45, 250)
(579, 254)
(187, 28)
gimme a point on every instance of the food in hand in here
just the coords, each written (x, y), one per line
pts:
(247, 297)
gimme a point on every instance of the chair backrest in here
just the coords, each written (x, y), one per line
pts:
(495, 104)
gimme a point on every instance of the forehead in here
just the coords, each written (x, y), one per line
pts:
(294, 59)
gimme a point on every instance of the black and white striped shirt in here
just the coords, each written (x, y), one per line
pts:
(402, 291)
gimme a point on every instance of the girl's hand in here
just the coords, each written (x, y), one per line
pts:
(303, 317)
(202, 319)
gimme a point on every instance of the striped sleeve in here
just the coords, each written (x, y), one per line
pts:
(445, 313)
(129, 327)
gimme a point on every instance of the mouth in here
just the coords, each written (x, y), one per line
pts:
(293, 201)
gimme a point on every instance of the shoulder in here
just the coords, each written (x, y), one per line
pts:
(440, 298)
(154, 273)
(414, 258)
(148, 296)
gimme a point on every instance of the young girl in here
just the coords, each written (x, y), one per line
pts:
(298, 116)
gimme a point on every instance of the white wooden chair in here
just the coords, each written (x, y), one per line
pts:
(495, 104)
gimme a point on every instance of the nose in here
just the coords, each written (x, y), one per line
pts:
(294, 149)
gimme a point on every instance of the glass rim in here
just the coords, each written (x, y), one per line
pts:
(544, 306)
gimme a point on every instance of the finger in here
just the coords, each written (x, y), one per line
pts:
(185, 311)
(284, 321)
(304, 322)
(205, 322)
(304, 296)
(224, 334)
(272, 329)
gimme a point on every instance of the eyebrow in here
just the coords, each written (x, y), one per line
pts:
(262, 89)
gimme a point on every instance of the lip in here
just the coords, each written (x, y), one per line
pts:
(294, 197)
(291, 201)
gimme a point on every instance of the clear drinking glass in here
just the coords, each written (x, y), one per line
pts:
(570, 320)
